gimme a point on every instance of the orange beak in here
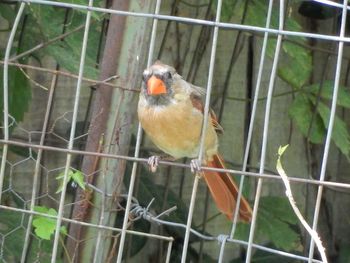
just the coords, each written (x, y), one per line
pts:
(155, 86)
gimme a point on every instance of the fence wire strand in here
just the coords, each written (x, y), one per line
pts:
(266, 130)
(133, 210)
(330, 127)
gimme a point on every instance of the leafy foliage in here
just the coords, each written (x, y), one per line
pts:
(278, 222)
(13, 233)
(317, 10)
(312, 115)
(340, 134)
(76, 176)
(42, 24)
(295, 63)
(295, 68)
(19, 94)
(8, 13)
(9, 221)
(310, 124)
(326, 92)
(344, 253)
(264, 256)
(44, 227)
(49, 21)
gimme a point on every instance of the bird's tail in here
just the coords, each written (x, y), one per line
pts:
(225, 191)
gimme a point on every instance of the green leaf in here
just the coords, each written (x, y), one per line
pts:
(137, 242)
(192, 255)
(19, 95)
(261, 256)
(44, 227)
(257, 15)
(340, 135)
(9, 222)
(96, 15)
(60, 178)
(280, 208)
(67, 51)
(7, 12)
(229, 9)
(70, 59)
(301, 111)
(278, 222)
(23, 152)
(41, 209)
(78, 177)
(282, 149)
(315, 10)
(11, 250)
(295, 64)
(242, 231)
(343, 98)
(344, 252)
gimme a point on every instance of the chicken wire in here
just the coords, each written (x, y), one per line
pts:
(132, 206)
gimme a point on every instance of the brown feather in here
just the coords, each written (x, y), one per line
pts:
(198, 104)
(225, 191)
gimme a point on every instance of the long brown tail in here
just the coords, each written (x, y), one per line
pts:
(225, 191)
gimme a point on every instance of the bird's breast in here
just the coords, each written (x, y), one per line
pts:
(176, 128)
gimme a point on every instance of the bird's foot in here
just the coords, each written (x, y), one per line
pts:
(195, 166)
(153, 163)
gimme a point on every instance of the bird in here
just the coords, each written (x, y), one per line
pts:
(171, 112)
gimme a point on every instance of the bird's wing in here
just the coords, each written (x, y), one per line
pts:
(198, 104)
(200, 91)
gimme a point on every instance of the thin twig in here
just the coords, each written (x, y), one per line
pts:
(44, 44)
(32, 80)
(314, 235)
(70, 75)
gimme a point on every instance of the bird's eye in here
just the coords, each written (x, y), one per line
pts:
(145, 77)
(167, 75)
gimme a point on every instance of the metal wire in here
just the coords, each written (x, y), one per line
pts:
(203, 132)
(222, 239)
(37, 169)
(6, 94)
(192, 21)
(176, 164)
(138, 142)
(143, 213)
(252, 118)
(132, 206)
(265, 132)
(330, 127)
(72, 134)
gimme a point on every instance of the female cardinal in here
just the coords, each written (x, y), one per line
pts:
(170, 111)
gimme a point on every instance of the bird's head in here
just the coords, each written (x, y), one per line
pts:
(158, 80)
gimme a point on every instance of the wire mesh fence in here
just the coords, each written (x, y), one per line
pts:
(72, 191)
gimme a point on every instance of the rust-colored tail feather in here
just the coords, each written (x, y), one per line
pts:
(225, 191)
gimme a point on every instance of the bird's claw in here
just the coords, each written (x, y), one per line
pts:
(195, 166)
(153, 163)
